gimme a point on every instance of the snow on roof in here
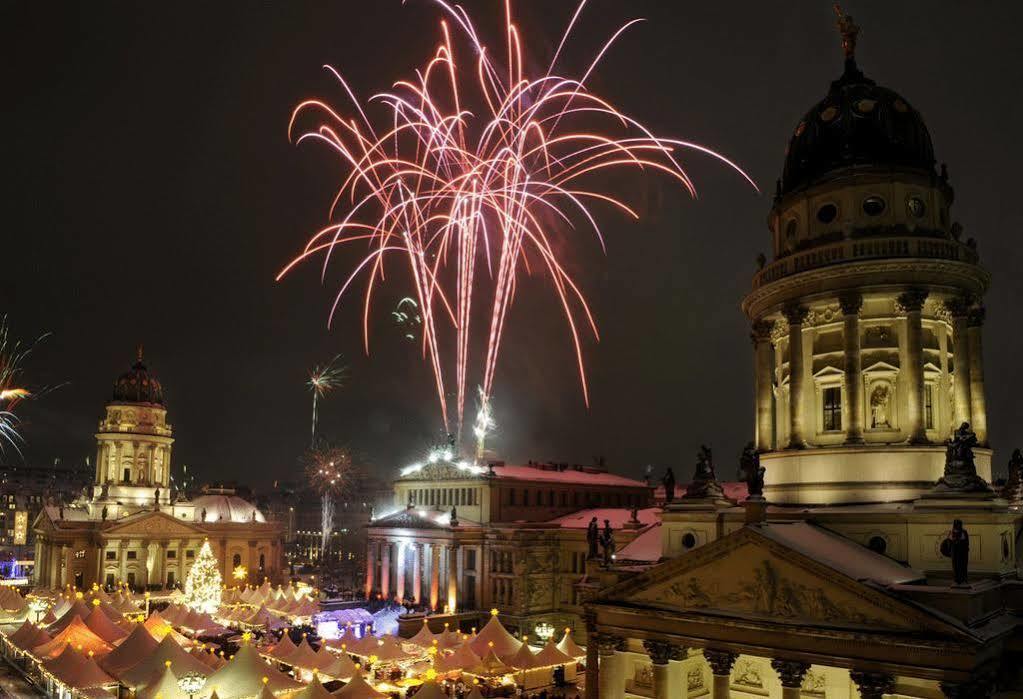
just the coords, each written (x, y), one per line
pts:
(618, 516)
(646, 547)
(837, 552)
(569, 475)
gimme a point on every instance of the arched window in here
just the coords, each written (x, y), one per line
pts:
(237, 560)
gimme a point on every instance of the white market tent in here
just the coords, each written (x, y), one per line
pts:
(142, 673)
(493, 636)
(568, 646)
(133, 650)
(243, 675)
(359, 688)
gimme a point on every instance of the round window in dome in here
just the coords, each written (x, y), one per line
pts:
(688, 540)
(827, 213)
(865, 106)
(901, 106)
(916, 207)
(873, 206)
(791, 228)
(878, 544)
(829, 114)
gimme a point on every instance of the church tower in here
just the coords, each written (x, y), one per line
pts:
(134, 440)
(867, 319)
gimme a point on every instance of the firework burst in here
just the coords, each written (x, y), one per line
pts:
(12, 356)
(322, 380)
(476, 173)
(329, 472)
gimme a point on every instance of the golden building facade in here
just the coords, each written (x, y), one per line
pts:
(130, 526)
(843, 575)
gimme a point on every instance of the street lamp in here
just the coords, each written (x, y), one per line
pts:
(191, 683)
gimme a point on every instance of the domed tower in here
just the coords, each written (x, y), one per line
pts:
(867, 321)
(134, 440)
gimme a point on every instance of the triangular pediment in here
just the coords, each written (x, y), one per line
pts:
(752, 576)
(828, 372)
(442, 471)
(153, 524)
(881, 368)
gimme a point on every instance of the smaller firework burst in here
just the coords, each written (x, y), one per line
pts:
(329, 471)
(12, 355)
(323, 379)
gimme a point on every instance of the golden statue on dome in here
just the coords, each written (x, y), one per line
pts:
(849, 30)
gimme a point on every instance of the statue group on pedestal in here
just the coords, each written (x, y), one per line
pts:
(605, 538)
(960, 469)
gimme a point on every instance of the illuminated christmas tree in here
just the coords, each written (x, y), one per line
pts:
(203, 584)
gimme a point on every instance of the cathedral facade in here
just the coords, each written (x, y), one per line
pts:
(130, 526)
(869, 556)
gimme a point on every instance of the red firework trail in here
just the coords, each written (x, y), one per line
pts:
(458, 195)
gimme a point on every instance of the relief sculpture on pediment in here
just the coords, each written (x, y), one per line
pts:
(764, 591)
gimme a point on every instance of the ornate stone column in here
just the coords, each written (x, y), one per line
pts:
(434, 576)
(851, 303)
(660, 653)
(399, 571)
(417, 572)
(872, 685)
(795, 315)
(790, 673)
(452, 600)
(763, 370)
(385, 570)
(912, 302)
(721, 662)
(607, 678)
(978, 407)
(371, 566)
(959, 308)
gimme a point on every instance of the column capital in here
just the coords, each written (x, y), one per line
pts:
(959, 307)
(659, 651)
(790, 672)
(795, 314)
(607, 643)
(912, 299)
(760, 331)
(975, 317)
(720, 661)
(872, 685)
(850, 302)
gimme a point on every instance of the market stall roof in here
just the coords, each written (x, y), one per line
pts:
(475, 693)
(76, 669)
(180, 659)
(490, 666)
(313, 690)
(424, 637)
(78, 635)
(303, 656)
(430, 690)
(159, 628)
(77, 608)
(283, 648)
(550, 656)
(25, 634)
(337, 666)
(133, 650)
(243, 674)
(359, 688)
(103, 627)
(462, 659)
(494, 636)
(522, 659)
(165, 686)
(568, 646)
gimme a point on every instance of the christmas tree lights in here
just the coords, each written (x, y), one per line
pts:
(203, 584)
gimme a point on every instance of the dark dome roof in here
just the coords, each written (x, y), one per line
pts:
(138, 385)
(857, 123)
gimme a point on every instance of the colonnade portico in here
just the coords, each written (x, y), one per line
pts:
(429, 572)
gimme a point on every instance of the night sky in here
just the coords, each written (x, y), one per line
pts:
(151, 195)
